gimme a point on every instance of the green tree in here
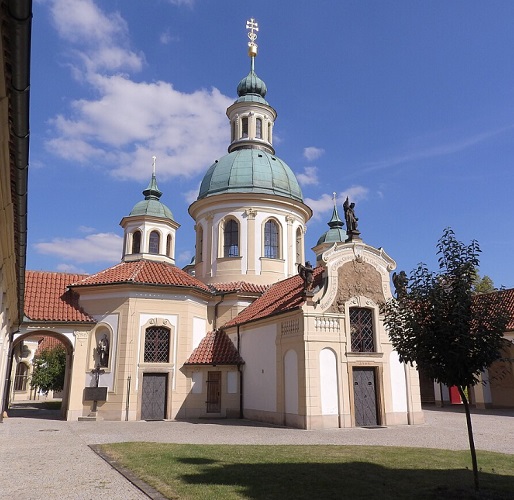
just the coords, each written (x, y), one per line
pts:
(483, 285)
(438, 322)
(49, 370)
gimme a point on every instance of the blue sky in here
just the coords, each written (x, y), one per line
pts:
(407, 106)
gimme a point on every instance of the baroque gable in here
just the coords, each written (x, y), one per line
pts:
(355, 270)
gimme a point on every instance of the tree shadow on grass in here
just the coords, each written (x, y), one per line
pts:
(353, 480)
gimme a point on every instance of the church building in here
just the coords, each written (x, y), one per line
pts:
(250, 329)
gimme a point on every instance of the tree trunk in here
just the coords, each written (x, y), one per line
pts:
(470, 437)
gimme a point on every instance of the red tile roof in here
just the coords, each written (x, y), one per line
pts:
(215, 348)
(508, 301)
(239, 286)
(48, 299)
(283, 296)
(47, 342)
(143, 272)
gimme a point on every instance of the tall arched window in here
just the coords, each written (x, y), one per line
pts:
(271, 241)
(136, 242)
(299, 245)
(258, 128)
(155, 239)
(168, 245)
(20, 379)
(361, 329)
(231, 239)
(157, 345)
(199, 244)
(244, 127)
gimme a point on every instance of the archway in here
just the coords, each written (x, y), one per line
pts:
(24, 348)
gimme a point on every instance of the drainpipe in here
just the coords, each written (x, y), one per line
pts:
(214, 321)
(240, 375)
(7, 383)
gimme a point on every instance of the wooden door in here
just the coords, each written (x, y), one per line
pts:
(213, 392)
(365, 397)
(153, 402)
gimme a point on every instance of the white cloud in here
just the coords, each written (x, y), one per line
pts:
(325, 203)
(309, 176)
(311, 153)
(421, 153)
(192, 195)
(184, 258)
(179, 3)
(70, 268)
(127, 122)
(101, 38)
(166, 37)
(100, 247)
(86, 229)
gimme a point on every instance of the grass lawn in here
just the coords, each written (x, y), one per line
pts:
(214, 472)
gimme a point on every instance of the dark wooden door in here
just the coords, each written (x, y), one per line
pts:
(153, 403)
(213, 392)
(365, 397)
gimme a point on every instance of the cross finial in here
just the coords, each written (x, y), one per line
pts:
(253, 26)
(153, 164)
(334, 194)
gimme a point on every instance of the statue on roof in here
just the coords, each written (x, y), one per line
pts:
(351, 220)
(307, 274)
(400, 282)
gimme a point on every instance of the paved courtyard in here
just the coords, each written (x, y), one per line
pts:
(48, 458)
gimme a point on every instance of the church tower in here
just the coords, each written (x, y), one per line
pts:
(149, 229)
(250, 215)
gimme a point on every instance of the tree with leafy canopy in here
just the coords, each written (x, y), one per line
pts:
(49, 370)
(439, 323)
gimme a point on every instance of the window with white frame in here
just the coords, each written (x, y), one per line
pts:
(155, 240)
(271, 240)
(231, 238)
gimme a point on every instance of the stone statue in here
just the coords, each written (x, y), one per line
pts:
(103, 351)
(307, 274)
(400, 282)
(349, 215)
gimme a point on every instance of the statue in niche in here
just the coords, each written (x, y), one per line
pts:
(400, 282)
(307, 274)
(349, 215)
(102, 350)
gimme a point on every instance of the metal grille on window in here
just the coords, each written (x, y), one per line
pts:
(157, 345)
(361, 329)
(271, 240)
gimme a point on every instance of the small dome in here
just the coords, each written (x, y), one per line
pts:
(336, 233)
(250, 171)
(151, 204)
(251, 84)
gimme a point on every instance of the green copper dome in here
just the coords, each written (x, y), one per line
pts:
(151, 204)
(252, 88)
(336, 233)
(250, 171)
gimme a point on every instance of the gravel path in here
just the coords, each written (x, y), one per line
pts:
(47, 459)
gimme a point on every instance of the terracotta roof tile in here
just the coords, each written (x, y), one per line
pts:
(215, 348)
(143, 272)
(508, 300)
(239, 286)
(279, 298)
(48, 299)
(47, 342)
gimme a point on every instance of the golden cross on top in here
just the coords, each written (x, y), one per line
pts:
(253, 26)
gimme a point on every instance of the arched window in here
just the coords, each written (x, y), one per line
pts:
(361, 329)
(20, 379)
(199, 244)
(258, 128)
(136, 242)
(231, 239)
(233, 129)
(168, 245)
(271, 242)
(157, 345)
(299, 245)
(155, 240)
(244, 127)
